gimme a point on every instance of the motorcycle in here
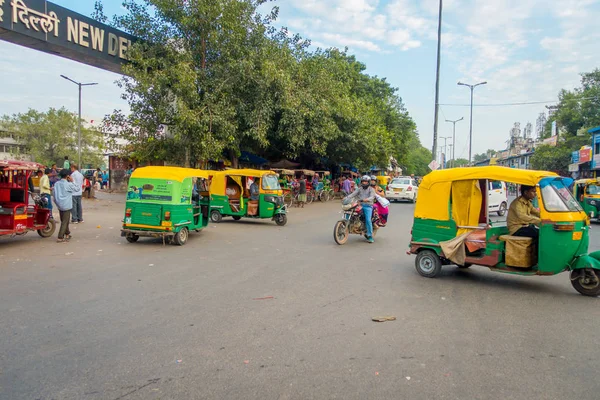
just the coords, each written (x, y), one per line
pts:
(353, 222)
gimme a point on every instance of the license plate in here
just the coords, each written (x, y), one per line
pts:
(397, 190)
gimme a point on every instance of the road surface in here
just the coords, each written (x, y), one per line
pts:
(250, 310)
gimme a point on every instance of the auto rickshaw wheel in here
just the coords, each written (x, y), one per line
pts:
(467, 265)
(48, 231)
(215, 216)
(181, 237)
(428, 263)
(281, 219)
(340, 232)
(132, 237)
(236, 217)
(586, 282)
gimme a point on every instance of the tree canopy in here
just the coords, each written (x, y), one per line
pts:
(221, 79)
(50, 136)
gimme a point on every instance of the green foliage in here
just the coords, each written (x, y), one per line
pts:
(417, 159)
(557, 159)
(459, 162)
(222, 79)
(579, 109)
(52, 135)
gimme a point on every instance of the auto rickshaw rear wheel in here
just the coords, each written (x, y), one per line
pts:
(236, 217)
(181, 237)
(428, 263)
(48, 231)
(281, 219)
(215, 216)
(586, 282)
(132, 237)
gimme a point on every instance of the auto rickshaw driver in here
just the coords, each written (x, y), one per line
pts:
(523, 218)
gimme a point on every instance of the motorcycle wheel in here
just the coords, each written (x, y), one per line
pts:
(340, 232)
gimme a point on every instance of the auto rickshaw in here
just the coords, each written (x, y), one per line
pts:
(284, 174)
(166, 202)
(587, 193)
(22, 211)
(452, 226)
(230, 196)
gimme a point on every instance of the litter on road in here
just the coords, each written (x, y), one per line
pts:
(383, 319)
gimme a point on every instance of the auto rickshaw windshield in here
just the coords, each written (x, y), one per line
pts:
(270, 182)
(557, 197)
(593, 189)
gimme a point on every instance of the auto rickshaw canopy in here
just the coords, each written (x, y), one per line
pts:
(463, 185)
(17, 165)
(171, 173)
(217, 185)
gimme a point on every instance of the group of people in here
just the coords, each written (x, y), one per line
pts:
(374, 204)
(65, 188)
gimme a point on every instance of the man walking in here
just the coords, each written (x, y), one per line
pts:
(63, 198)
(45, 188)
(67, 164)
(77, 179)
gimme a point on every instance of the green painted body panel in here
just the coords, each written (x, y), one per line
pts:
(152, 214)
(558, 249)
(432, 231)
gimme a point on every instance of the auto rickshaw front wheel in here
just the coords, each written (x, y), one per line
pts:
(48, 231)
(281, 219)
(428, 263)
(586, 281)
(181, 237)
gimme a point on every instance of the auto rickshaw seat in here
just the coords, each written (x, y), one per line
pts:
(519, 251)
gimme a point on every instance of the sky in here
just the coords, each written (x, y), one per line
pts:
(527, 51)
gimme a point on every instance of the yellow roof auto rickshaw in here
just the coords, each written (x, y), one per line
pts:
(166, 202)
(587, 193)
(231, 194)
(452, 226)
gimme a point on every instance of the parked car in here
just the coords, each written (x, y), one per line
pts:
(402, 188)
(498, 197)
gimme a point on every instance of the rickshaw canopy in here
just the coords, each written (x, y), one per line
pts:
(217, 184)
(306, 172)
(287, 172)
(170, 173)
(16, 165)
(437, 187)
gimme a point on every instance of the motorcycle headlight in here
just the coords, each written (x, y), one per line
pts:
(271, 199)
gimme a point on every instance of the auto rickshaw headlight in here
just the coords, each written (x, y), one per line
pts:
(271, 199)
(593, 202)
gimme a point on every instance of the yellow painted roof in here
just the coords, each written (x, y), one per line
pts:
(245, 172)
(172, 173)
(519, 176)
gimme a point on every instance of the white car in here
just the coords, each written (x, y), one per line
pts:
(404, 188)
(497, 197)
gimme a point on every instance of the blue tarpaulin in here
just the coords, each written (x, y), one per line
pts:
(251, 158)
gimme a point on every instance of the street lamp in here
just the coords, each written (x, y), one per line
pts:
(79, 121)
(454, 137)
(444, 153)
(471, 124)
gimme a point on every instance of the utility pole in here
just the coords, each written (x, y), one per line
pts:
(471, 123)
(454, 137)
(79, 120)
(437, 83)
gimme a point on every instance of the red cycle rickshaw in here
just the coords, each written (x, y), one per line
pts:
(20, 210)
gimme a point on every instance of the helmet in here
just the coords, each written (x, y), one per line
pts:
(373, 178)
(365, 178)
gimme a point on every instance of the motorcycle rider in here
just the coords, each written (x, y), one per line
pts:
(365, 194)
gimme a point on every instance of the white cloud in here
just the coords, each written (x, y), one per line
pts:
(345, 41)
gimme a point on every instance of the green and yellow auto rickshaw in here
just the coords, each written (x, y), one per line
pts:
(587, 193)
(166, 202)
(232, 194)
(452, 226)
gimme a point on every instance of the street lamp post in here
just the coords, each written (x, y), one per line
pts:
(79, 120)
(444, 153)
(454, 137)
(471, 123)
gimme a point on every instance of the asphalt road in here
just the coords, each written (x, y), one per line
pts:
(99, 318)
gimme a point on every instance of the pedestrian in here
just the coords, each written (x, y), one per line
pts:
(63, 198)
(77, 209)
(97, 175)
(53, 175)
(67, 164)
(346, 186)
(105, 179)
(45, 188)
(301, 191)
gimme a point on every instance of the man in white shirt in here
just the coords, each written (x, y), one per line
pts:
(77, 211)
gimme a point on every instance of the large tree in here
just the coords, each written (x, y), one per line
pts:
(579, 109)
(50, 136)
